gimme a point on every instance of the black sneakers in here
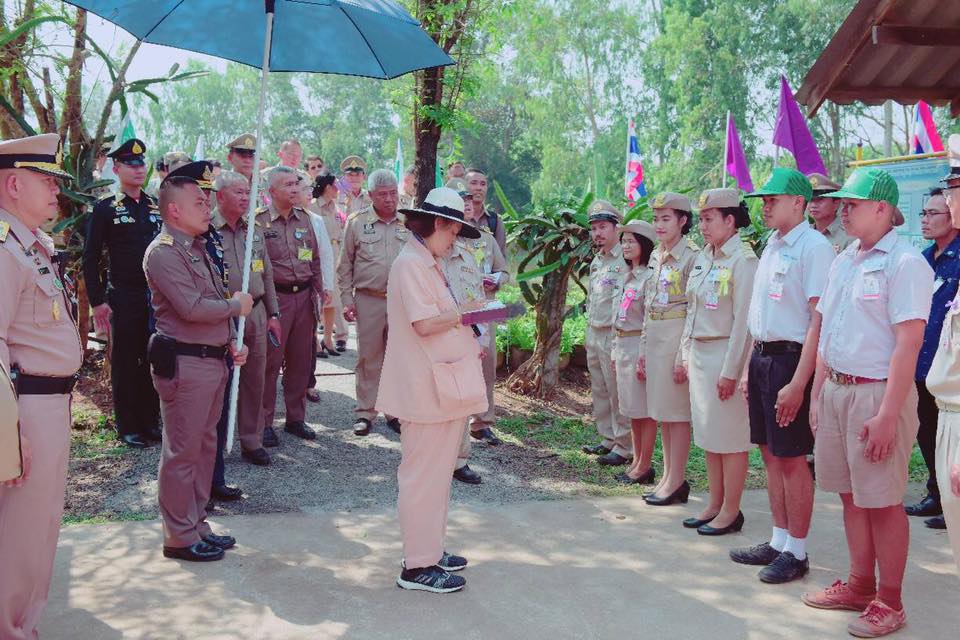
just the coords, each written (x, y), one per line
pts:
(450, 562)
(759, 554)
(432, 579)
(785, 568)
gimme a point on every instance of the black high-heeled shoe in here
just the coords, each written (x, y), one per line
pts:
(733, 527)
(682, 494)
(328, 351)
(648, 477)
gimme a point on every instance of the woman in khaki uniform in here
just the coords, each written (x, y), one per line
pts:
(636, 239)
(324, 204)
(715, 348)
(660, 363)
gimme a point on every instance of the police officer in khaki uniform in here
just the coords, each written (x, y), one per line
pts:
(194, 316)
(240, 153)
(478, 186)
(494, 273)
(40, 344)
(371, 242)
(607, 272)
(355, 199)
(715, 346)
(824, 212)
(298, 280)
(229, 220)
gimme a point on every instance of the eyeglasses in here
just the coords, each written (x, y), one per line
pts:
(931, 212)
(244, 153)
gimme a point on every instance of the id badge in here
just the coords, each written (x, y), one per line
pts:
(305, 254)
(711, 300)
(871, 288)
(663, 297)
(776, 290)
(257, 266)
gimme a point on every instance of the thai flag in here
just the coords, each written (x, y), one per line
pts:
(633, 177)
(925, 136)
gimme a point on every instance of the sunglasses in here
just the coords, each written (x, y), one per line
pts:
(244, 153)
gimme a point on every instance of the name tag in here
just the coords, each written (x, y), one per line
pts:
(257, 266)
(776, 289)
(711, 300)
(871, 288)
(305, 254)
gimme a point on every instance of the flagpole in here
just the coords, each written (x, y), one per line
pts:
(626, 166)
(726, 150)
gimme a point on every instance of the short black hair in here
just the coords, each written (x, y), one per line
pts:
(422, 224)
(740, 213)
(936, 191)
(321, 182)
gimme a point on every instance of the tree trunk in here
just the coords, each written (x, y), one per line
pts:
(538, 376)
(426, 131)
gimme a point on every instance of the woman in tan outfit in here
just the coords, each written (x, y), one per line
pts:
(636, 239)
(716, 344)
(324, 204)
(660, 363)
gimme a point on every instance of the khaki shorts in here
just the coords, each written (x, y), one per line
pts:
(841, 467)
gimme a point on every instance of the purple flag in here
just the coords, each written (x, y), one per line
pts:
(791, 133)
(736, 162)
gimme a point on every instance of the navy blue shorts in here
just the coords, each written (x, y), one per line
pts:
(768, 374)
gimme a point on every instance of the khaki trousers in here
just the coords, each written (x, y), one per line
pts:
(190, 403)
(30, 516)
(298, 319)
(371, 345)
(488, 419)
(464, 455)
(252, 376)
(612, 427)
(428, 457)
(948, 454)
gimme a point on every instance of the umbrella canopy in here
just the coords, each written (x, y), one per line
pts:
(370, 38)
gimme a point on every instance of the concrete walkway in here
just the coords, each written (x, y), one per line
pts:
(603, 568)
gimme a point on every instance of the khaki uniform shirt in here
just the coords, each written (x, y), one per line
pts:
(629, 308)
(292, 247)
(261, 271)
(943, 380)
(500, 234)
(718, 298)
(370, 246)
(667, 291)
(351, 204)
(607, 272)
(327, 209)
(488, 256)
(189, 301)
(837, 236)
(463, 274)
(36, 330)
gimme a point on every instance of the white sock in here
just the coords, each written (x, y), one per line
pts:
(779, 538)
(797, 546)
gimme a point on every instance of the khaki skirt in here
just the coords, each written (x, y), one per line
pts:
(667, 401)
(718, 427)
(631, 392)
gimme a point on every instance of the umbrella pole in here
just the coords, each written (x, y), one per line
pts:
(251, 219)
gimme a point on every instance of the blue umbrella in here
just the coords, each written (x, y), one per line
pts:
(370, 38)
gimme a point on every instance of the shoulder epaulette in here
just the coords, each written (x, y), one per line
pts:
(4, 230)
(262, 210)
(747, 250)
(692, 245)
(165, 239)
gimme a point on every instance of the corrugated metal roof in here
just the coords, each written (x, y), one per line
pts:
(902, 50)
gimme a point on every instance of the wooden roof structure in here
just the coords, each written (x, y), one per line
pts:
(901, 50)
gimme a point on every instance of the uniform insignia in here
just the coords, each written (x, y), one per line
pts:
(165, 239)
(4, 230)
(596, 207)
(56, 310)
(477, 244)
(814, 181)
(692, 244)
(248, 142)
(659, 200)
(703, 200)
(298, 233)
(747, 249)
(43, 271)
(368, 228)
(153, 218)
(194, 258)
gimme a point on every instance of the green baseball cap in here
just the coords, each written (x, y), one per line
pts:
(871, 184)
(785, 182)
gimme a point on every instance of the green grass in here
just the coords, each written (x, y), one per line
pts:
(564, 437)
(97, 441)
(123, 516)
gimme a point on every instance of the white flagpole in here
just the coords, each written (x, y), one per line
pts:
(251, 219)
(726, 149)
(626, 167)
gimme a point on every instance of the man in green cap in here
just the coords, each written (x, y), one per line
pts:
(785, 327)
(864, 403)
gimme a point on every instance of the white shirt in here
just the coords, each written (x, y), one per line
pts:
(792, 270)
(867, 293)
(326, 250)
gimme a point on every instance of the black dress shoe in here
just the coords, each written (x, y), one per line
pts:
(361, 427)
(646, 478)
(612, 459)
(467, 475)
(197, 552)
(259, 457)
(927, 507)
(394, 424)
(759, 555)
(300, 429)
(328, 351)
(270, 438)
(785, 568)
(313, 395)
(596, 450)
(695, 523)
(154, 434)
(487, 435)
(211, 505)
(225, 493)
(341, 345)
(134, 441)
(936, 522)
(733, 527)
(224, 542)
(322, 354)
(682, 494)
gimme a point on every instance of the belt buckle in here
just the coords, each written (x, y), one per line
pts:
(74, 379)
(295, 288)
(203, 351)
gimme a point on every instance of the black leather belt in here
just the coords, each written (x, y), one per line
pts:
(200, 350)
(26, 384)
(778, 347)
(295, 287)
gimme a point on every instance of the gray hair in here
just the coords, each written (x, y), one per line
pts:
(228, 179)
(381, 178)
(274, 172)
